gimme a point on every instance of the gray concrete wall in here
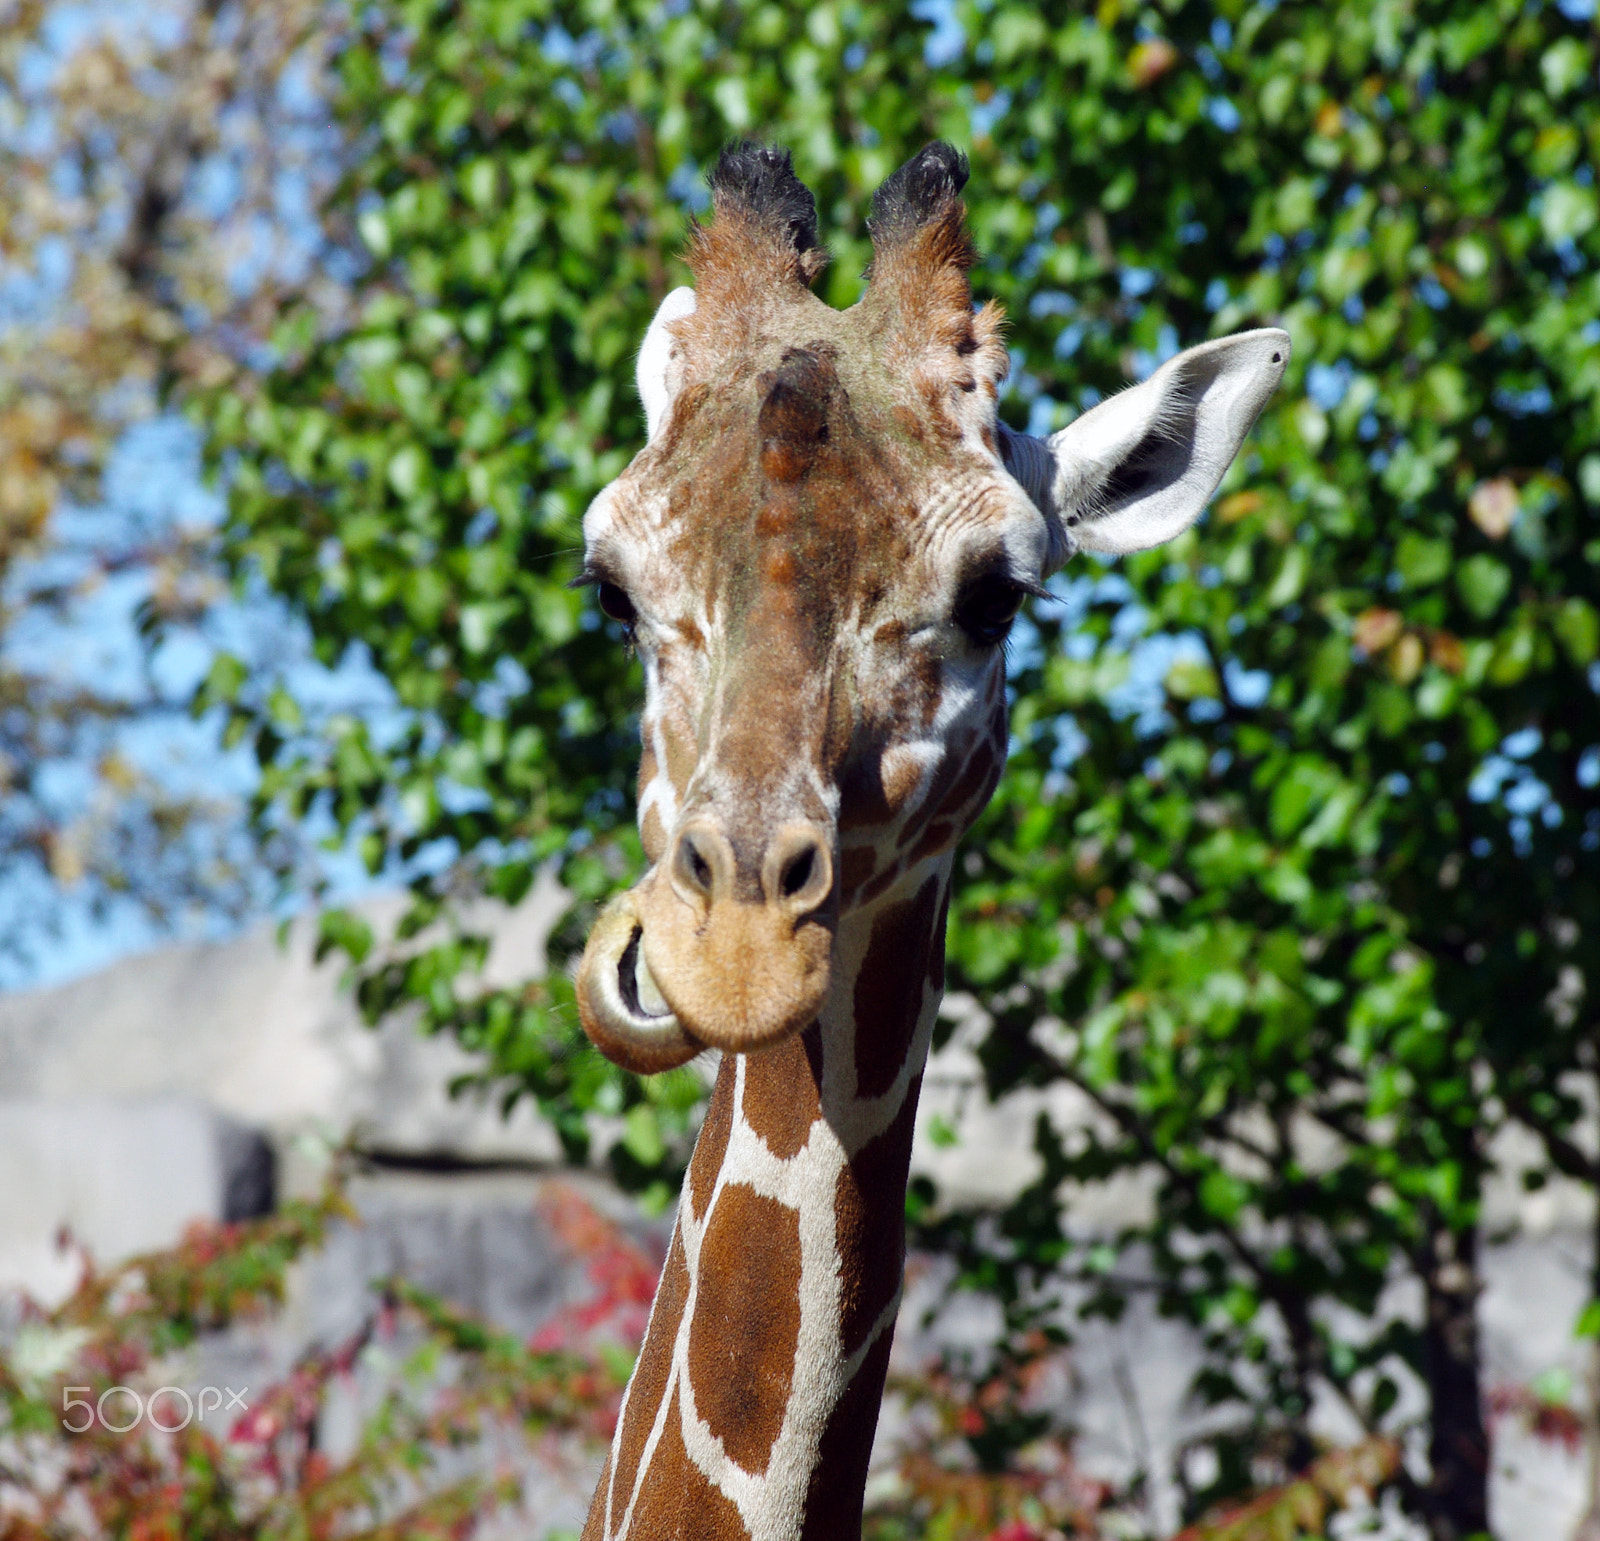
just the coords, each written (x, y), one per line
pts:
(120, 1176)
(264, 1034)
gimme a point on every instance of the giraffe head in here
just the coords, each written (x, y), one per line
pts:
(818, 555)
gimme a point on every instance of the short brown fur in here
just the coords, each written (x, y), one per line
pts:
(688, 1508)
(652, 1372)
(742, 1356)
(782, 1100)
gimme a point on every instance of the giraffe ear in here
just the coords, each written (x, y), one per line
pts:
(1139, 468)
(660, 368)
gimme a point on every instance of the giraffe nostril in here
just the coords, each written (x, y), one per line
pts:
(693, 866)
(702, 865)
(797, 873)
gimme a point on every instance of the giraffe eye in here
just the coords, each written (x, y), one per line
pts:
(987, 608)
(614, 602)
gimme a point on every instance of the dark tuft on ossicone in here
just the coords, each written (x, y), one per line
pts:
(918, 191)
(759, 180)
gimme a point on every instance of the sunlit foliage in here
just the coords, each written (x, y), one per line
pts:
(1293, 865)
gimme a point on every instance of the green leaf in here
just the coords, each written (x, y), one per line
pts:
(1564, 66)
(1568, 211)
(345, 931)
(284, 709)
(1589, 477)
(374, 230)
(1420, 560)
(641, 1135)
(1513, 652)
(481, 182)
(1311, 424)
(1577, 624)
(1305, 787)
(1483, 584)
(1223, 1196)
(223, 680)
(1290, 579)
(1191, 679)
(733, 102)
(408, 469)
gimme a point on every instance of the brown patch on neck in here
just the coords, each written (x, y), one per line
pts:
(782, 1096)
(869, 1208)
(890, 988)
(936, 950)
(742, 1342)
(649, 1384)
(857, 863)
(594, 1528)
(839, 1479)
(678, 1502)
(963, 805)
(961, 789)
(935, 838)
(712, 1145)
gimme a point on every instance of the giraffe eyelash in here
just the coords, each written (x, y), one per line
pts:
(988, 604)
(612, 598)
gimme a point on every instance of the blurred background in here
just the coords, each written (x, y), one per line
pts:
(1255, 1188)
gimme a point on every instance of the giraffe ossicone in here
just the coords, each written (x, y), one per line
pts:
(818, 554)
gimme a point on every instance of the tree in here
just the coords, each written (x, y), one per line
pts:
(148, 241)
(1318, 955)
(1302, 914)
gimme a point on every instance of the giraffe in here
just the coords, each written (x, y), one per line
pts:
(817, 555)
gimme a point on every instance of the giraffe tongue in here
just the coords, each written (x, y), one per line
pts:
(638, 984)
(619, 1004)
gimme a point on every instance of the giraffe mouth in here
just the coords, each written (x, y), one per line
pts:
(622, 1009)
(660, 981)
(640, 993)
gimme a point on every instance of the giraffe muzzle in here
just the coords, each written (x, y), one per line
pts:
(700, 955)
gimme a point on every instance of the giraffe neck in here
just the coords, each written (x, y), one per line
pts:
(752, 1407)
